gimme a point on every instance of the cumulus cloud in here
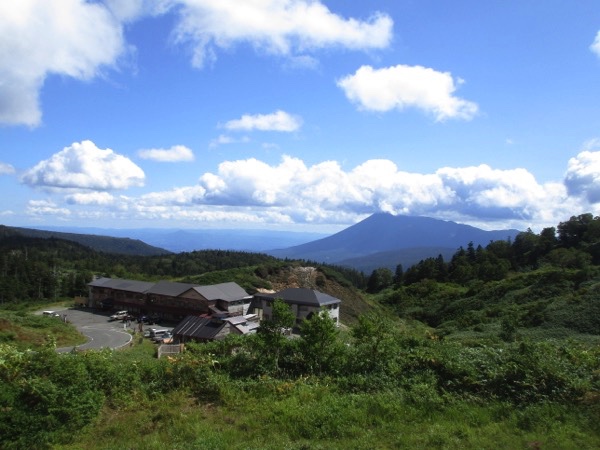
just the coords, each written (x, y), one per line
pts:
(290, 191)
(595, 47)
(583, 176)
(6, 169)
(287, 28)
(176, 153)
(84, 166)
(399, 87)
(72, 38)
(323, 191)
(277, 121)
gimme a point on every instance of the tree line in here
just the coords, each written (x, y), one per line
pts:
(573, 244)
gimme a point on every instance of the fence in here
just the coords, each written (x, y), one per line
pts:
(169, 349)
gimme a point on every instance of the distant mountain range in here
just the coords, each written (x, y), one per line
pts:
(381, 240)
(161, 240)
(385, 240)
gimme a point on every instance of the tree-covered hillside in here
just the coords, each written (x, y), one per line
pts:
(544, 284)
(106, 244)
(33, 269)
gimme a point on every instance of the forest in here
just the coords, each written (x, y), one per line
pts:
(505, 337)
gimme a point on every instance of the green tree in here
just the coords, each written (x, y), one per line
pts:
(399, 275)
(379, 280)
(572, 232)
(319, 342)
(568, 258)
(375, 343)
(273, 331)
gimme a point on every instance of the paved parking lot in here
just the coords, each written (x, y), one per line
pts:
(94, 325)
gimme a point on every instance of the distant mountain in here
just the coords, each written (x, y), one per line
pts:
(187, 240)
(107, 244)
(373, 242)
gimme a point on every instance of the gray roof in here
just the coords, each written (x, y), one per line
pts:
(170, 288)
(224, 291)
(195, 327)
(122, 285)
(302, 296)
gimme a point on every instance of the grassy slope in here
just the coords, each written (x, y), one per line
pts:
(26, 329)
(301, 416)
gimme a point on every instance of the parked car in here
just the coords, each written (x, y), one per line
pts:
(51, 313)
(159, 335)
(119, 315)
(160, 339)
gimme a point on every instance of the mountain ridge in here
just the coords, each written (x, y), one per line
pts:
(382, 233)
(106, 244)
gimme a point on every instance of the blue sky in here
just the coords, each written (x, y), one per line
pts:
(298, 114)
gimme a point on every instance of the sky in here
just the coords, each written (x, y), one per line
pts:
(300, 115)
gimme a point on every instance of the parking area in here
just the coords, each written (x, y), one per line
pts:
(99, 330)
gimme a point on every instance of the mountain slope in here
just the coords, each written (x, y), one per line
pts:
(106, 244)
(384, 233)
(405, 256)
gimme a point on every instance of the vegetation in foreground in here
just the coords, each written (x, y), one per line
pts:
(378, 386)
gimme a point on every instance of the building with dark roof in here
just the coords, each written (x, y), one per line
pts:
(202, 329)
(228, 297)
(304, 303)
(195, 328)
(108, 293)
(167, 299)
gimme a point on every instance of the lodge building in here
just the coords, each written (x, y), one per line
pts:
(206, 312)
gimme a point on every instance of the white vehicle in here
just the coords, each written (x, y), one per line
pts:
(154, 334)
(119, 315)
(161, 338)
(51, 313)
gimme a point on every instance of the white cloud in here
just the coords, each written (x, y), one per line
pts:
(84, 166)
(251, 191)
(401, 86)
(180, 196)
(225, 139)
(174, 154)
(287, 28)
(277, 121)
(131, 10)
(583, 176)
(325, 189)
(6, 169)
(45, 208)
(90, 198)
(73, 38)
(595, 47)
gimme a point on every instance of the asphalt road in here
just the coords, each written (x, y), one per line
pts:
(94, 325)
